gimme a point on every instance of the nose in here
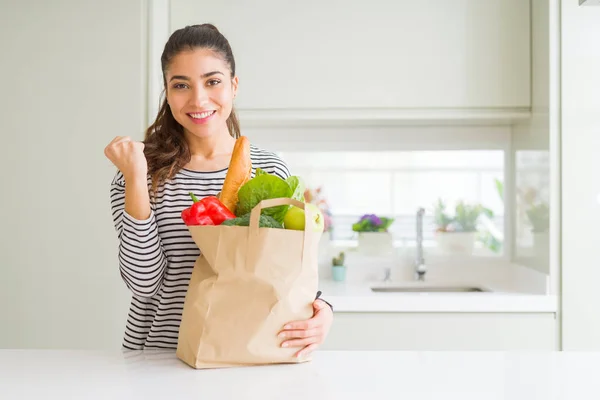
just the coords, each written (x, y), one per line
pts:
(200, 96)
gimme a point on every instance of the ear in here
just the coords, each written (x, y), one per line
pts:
(234, 85)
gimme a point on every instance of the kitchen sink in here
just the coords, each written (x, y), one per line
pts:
(429, 288)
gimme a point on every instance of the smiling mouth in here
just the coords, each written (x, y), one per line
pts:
(202, 114)
(199, 118)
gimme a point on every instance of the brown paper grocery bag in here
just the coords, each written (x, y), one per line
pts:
(247, 283)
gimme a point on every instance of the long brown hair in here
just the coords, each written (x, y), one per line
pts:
(165, 147)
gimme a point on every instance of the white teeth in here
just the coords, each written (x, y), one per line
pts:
(201, 115)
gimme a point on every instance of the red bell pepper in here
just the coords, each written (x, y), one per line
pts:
(208, 211)
(195, 215)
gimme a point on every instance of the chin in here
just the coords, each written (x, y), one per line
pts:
(201, 132)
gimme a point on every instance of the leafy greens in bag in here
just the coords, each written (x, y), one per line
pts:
(266, 186)
(264, 222)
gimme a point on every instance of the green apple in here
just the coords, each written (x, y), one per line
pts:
(295, 218)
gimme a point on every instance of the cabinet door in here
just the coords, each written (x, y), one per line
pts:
(442, 331)
(317, 54)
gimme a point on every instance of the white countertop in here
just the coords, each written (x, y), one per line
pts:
(358, 297)
(72, 374)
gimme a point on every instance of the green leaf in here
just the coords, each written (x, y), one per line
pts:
(441, 217)
(297, 187)
(500, 188)
(385, 223)
(259, 172)
(490, 241)
(487, 212)
(264, 221)
(361, 226)
(262, 187)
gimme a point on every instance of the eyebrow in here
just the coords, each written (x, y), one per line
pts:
(186, 78)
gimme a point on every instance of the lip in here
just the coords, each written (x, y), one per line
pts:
(201, 120)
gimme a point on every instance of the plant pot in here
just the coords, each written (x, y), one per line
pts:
(375, 243)
(455, 242)
(338, 273)
(541, 244)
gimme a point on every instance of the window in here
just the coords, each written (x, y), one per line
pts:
(396, 183)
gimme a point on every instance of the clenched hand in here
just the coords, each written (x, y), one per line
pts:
(128, 156)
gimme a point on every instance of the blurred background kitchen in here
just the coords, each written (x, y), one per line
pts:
(452, 118)
(482, 114)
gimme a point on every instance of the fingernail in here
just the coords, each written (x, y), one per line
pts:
(282, 334)
(287, 327)
(284, 344)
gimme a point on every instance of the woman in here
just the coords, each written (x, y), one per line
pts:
(187, 148)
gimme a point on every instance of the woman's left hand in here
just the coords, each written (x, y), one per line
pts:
(310, 333)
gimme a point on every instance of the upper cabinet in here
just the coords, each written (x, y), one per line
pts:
(378, 54)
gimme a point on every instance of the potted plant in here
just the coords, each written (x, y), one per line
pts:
(441, 218)
(338, 268)
(457, 234)
(490, 236)
(539, 218)
(374, 237)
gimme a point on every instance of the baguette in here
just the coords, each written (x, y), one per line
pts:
(239, 172)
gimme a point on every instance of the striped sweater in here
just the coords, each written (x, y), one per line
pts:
(157, 255)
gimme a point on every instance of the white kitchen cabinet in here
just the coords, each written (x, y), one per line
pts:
(377, 55)
(442, 331)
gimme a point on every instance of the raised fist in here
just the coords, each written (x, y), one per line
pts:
(128, 156)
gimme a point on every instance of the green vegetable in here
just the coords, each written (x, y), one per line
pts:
(259, 172)
(264, 222)
(266, 186)
(297, 187)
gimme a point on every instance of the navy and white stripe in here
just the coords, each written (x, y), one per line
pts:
(157, 255)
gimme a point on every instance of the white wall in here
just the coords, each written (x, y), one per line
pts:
(72, 78)
(580, 183)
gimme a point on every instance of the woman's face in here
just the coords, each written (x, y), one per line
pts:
(200, 92)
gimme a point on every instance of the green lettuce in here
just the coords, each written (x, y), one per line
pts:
(297, 187)
(263, 222)
(259, 172)
(266, 186)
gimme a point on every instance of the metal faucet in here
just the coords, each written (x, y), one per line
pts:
(420, 268)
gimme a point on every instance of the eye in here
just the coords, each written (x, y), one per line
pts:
(180, 86)
(213, 82)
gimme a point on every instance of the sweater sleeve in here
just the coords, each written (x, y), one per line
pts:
(142, 260)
